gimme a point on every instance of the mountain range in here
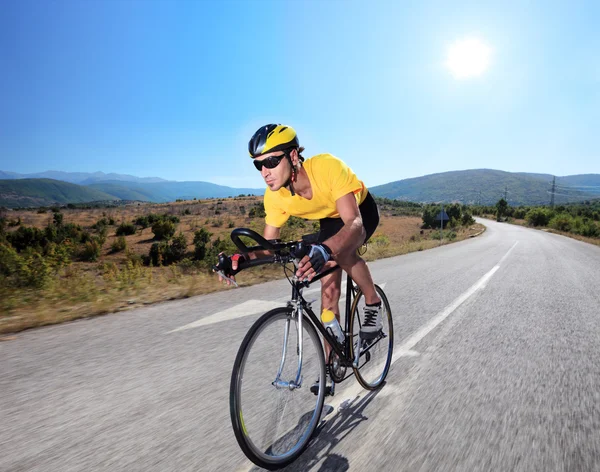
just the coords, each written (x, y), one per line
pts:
(478, 186)
(487, 186)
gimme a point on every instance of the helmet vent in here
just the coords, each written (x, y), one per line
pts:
(283, 129)
(270, 134)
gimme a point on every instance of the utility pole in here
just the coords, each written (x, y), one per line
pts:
(552, 192)
(505, 194)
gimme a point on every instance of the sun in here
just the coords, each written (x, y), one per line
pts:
(468, 58)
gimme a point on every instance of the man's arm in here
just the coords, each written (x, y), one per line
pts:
(346, 239)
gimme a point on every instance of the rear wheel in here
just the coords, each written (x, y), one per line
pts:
(376, 354)
(273, 423)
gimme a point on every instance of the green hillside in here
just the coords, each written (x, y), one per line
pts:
(46, 192)
(161, 192)
(487, 186)
(122, 191)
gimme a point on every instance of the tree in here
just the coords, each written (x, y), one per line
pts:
(501, 208)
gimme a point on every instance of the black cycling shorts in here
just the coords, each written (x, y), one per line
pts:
(370, 217)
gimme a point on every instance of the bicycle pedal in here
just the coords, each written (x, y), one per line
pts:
(329, 389)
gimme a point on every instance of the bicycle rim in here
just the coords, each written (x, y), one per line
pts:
(376, 356)
(273, 425)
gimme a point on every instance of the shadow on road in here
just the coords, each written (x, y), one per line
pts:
(329, 433)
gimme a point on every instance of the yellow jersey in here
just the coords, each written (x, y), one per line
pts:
(330, 179)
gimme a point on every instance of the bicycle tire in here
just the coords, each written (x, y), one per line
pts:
(268, 453)
(382, 344)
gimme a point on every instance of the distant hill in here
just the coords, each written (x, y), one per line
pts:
(46, 192)
(161, 192)
(81, 178)
(487, 186)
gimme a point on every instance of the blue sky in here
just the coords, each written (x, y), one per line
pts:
(175, 89)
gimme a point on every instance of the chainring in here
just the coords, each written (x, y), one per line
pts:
(336, 370)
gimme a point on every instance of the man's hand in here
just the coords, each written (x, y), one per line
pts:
(313, 262)
(226, 266)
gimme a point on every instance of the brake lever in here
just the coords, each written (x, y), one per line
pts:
(229, 279)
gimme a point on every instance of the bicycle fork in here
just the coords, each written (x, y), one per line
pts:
(297, 383)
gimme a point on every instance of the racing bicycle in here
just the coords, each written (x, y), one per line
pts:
(278, 382)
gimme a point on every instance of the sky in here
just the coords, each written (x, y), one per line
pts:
(175, 89)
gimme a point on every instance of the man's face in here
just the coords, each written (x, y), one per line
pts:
(276, 177)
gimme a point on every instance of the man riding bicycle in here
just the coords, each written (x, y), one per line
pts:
(324, 188)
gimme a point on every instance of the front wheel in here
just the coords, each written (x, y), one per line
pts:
(272, 422)
(375, 356)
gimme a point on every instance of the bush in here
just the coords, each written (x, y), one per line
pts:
(538, 217)
(126, 229)
(91, 251)
(119, 244)
(467, 219)
(586, 227)
(257, 211)
(201, 239)
(157, 253)
(25, 237)
(101, 223)
(561, 222)
(163, 229)
(380, 240)
(142, 221)
(177, 248)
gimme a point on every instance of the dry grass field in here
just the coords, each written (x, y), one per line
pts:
(117, 281)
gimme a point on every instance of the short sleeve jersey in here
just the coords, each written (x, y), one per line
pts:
(330, 179)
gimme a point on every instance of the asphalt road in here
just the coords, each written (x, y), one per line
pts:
(496, 367)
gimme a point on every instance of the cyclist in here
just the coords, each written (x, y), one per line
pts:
(325, 188)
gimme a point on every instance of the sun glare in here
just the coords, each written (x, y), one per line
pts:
(468, 58)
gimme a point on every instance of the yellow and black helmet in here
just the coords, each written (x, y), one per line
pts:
(271, 138)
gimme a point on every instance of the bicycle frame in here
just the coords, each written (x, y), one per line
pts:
(301, 306)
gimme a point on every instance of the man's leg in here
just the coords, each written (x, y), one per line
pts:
(372, 321)
(330, 298)
(360, 273)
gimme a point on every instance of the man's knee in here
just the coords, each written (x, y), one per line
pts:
(347, 258)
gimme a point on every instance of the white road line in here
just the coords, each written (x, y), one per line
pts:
(249, 307)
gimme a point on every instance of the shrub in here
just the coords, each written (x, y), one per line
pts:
(58, 218)
(101, 223)
(163, 229)
(142, 221)
(201, 239)
(586, 227)
(126, 229)
(257, 211)
(561, 222)
(25, 237)
(467, 219)
(157, 253)
(538, 217)
(380, 240)
(119, 244)
(177, 248)
(91, 251)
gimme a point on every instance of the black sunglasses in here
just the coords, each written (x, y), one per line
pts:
(270, 162)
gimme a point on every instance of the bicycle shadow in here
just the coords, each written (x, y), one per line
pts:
(329, 434)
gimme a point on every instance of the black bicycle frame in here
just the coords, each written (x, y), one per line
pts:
(344, 354)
